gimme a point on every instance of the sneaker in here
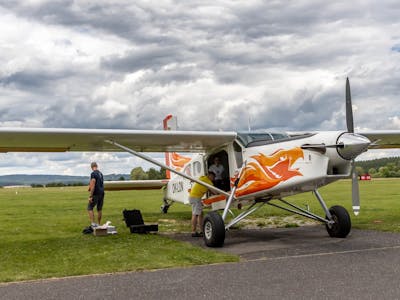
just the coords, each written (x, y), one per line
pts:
(94, 225)
(196, 234)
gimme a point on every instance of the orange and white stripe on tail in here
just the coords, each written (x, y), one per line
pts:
(173, 159)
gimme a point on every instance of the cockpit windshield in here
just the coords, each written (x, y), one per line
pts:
(250, 139)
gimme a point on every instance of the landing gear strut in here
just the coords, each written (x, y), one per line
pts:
(337, 219)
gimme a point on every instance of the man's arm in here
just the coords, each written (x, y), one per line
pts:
(92, 183)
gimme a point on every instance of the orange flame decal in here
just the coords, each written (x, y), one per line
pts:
(178, 161)
(266, 172)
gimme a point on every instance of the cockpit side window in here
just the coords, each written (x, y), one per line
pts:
(238, 154)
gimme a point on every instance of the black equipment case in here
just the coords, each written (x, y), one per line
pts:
(134, 220)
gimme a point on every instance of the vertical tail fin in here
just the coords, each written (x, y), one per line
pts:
(173, 159)
(169, 123)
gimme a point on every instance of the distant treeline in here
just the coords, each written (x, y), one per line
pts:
(139, 174)
(382, 167)
(53, 180)
(57, 184)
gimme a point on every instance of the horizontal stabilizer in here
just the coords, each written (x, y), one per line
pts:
(135, 185)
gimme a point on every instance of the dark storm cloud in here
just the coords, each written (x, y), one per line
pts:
(214, 64)
(178, 45)
(305, 111)
(151, 57)
(124, 19)
(34, 79)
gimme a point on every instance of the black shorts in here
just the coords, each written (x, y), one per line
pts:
(97, 201)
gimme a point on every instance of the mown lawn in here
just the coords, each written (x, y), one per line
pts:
(41, 235)
(41, 229)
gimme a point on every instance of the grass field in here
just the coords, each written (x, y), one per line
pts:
(41, 237)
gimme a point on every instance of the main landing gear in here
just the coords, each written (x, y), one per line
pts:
(165, 206)
(214, 230)
(337, 219)
(341, 225)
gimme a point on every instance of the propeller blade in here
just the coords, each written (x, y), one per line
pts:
(349, 108)
(355, 192)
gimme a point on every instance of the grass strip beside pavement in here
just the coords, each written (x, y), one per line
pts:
(41, 232)
(41, 237)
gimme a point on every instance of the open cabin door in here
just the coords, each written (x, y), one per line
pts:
(231, 158)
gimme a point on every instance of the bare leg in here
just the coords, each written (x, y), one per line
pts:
(200, 218)
(194, 223)
(99, 215)
(91, 216)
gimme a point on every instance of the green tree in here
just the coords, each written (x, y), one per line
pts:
(138, 174)
(153, 174)
(360, 170)
(384, 171)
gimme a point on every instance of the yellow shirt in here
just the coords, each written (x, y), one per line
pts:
(199, 190)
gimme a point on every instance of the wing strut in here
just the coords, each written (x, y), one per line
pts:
(153, 161)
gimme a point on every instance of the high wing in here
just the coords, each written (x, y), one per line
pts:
(61, 140)
(382, 139)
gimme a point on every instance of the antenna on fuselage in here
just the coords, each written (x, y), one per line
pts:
(248, 117)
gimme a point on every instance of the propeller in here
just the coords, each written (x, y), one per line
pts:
(349, 108)
(355, 194)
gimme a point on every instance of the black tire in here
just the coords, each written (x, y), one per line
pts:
(214, 230)
(164, 208)
(342, 226)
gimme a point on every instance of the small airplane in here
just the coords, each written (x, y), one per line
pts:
(262, 167)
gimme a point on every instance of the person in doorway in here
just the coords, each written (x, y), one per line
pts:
(96, 194)
(196, 193)
(218, 169)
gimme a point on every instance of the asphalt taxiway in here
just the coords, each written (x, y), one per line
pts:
(292, 263)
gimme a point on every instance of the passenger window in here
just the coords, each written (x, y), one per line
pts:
(196, 168)
(187, 170)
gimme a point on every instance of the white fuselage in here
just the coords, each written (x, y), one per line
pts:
(272, 168)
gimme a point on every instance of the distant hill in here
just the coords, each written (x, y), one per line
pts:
(393, 164)
(377, 163)
(22, 179)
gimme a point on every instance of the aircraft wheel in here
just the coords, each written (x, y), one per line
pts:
(214, 230)
(164, 208)
(341, 227)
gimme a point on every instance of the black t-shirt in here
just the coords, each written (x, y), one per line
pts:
(98, 188)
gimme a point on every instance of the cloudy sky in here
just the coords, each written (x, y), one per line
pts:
(213, 64)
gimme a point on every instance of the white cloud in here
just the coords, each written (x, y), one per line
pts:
(395, 122)
(212, 63)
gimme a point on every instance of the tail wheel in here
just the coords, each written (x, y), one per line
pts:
(164, 208)
(342, 222)
(214, 230)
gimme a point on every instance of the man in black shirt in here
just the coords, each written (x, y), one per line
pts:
(96, 197)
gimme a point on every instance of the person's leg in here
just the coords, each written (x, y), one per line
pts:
(91, 216)
(194, 223)
(99, 215)
(99, 200)
(90, 207)
(200, 221)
